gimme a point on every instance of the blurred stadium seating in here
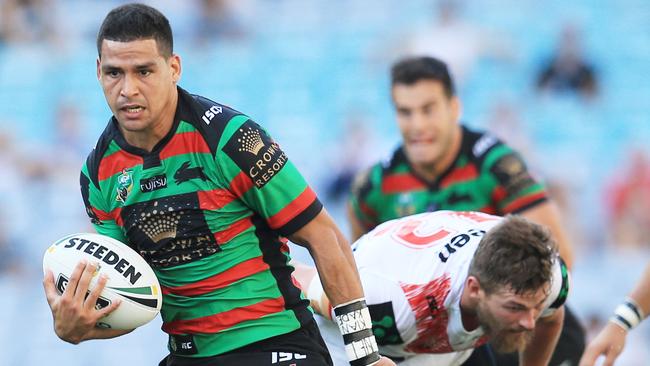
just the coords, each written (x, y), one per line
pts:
(298, 70)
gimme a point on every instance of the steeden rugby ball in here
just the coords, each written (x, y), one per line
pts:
(130, 278)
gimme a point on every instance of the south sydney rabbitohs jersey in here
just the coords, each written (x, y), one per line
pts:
(208, 208)
(413, 271)
(486, 175)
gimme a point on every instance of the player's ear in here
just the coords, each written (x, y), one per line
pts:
(456, 107)
(175, 64)
(99, 74)
(473, 287)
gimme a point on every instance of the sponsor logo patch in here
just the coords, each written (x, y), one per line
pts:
(255, 153)
(483, 144)
(153, 183)
(209, 115)
(510, 170)
(277, 357)
(170, 230)
(182, 344)
(405, 205)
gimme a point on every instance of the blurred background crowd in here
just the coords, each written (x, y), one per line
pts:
(565, 83)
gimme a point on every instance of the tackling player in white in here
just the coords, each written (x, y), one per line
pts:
(440, 284)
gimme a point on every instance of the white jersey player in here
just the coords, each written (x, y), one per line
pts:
(434, 296)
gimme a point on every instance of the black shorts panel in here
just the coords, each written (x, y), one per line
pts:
(302, 347)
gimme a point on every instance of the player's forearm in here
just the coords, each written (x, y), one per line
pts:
(356, 228)
(333, 258)
(545, 337)
(340, 279)
(95, 333)
(337, 271)
(641, 292)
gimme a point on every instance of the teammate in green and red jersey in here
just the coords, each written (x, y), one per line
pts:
(206, 197)
(443, 165)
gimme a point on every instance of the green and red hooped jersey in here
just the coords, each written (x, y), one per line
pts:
(208, 209)
(487, 176)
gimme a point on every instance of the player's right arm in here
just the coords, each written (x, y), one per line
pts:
(517, 191)
(74, 314)
(611, 340)
(356, 228)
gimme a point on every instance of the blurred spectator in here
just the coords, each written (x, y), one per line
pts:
(216, 20)
(504, 120)
(8, 158)
(72, 148)
(10, 185)
(27, 21)
(68, 133)
(351, 154)
(10, 258)
(565, 193)
(456, 41)
(628, 203)
(569, 70)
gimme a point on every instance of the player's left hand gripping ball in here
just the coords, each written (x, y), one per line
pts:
(130, 278)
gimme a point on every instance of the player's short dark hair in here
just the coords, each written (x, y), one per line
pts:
(410, 70)
(516, 255)
(132, 22)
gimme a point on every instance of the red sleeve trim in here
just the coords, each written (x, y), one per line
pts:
(293, 209)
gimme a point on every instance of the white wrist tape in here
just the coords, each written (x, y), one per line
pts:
(628, 314)
(353, 319)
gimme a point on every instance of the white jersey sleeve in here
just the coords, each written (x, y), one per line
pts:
(413, 272)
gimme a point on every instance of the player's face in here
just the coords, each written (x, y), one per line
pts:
(139, 83)
(428, 121)
(509, 318)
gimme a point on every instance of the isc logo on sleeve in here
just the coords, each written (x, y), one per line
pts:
(209, 115)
